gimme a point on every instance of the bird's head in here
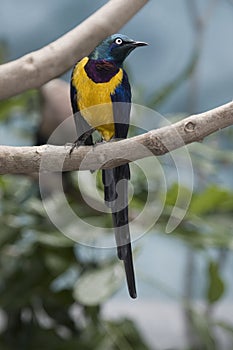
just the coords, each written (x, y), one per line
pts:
(115, 48)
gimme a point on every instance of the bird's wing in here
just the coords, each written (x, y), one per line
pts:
(121, 100)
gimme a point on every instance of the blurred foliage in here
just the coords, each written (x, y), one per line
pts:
(19, 104)
(46, 288)
(43, 277)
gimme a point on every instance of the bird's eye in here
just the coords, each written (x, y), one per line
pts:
(118, 41)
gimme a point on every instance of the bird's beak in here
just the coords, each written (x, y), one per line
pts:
(139, 43)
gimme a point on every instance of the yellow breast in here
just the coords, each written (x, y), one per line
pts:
(94, 99)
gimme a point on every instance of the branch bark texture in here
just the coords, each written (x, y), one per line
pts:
(48, 158)
(36, 68)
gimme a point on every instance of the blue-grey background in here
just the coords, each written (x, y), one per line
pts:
(166, 25)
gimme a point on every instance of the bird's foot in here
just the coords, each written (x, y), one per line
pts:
(102, 141)
(76, 144)
(99, 142)
(116, 139)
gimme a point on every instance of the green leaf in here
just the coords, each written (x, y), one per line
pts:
(173, 192)
(216, 286)
(124, 334)
(94, 287)
(209, 200)
(54, 239)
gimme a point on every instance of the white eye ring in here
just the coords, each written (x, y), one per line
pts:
(118, 41)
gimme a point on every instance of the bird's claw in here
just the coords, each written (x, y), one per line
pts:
(76, 144)
(100, 142)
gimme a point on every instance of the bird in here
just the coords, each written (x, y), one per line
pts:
(100, 95)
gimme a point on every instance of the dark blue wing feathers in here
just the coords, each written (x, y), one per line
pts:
(73, 98)
(121, 100)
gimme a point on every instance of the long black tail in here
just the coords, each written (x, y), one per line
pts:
(116, 197)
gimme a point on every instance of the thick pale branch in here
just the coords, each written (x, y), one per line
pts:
(18, 160)
(39, 67)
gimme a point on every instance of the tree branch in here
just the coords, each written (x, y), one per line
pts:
(25, 160)
(39, 67)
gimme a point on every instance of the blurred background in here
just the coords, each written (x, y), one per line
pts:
(57, 294)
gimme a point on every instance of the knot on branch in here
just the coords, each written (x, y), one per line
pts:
(189, 127)
(155, 145)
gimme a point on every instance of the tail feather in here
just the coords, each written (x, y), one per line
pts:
(116, 197)
(129, 271)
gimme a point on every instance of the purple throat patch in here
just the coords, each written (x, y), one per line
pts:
(101, 71)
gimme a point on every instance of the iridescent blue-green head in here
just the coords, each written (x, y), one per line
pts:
(115, 48)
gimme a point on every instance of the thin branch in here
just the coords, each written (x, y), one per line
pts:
(26, 160)
(39, 67)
